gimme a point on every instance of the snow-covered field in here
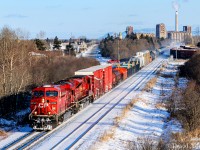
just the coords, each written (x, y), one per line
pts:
(13, 131)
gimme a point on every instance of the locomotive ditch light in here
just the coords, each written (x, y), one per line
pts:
(49, 113)
(35, 112)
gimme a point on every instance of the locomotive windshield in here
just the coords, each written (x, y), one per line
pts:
(38, 93)
(51, 93)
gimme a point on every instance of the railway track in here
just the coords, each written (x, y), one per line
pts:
(103, 111)
(24, 141)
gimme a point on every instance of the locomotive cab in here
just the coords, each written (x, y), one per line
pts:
(44, 107)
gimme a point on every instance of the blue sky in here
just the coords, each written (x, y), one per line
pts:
(94, 18)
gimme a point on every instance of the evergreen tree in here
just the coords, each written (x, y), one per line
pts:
(142, 36)
(40, 44)
(70, 50)
(56, 43)
(132, 36)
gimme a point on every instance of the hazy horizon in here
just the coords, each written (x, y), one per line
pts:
(94, 19)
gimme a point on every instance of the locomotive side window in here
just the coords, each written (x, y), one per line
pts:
(38, 94)
(51, 93)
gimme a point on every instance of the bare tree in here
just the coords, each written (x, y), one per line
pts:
(13, 62)
(41, 35)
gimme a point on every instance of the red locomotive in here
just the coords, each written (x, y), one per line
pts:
(51, 104)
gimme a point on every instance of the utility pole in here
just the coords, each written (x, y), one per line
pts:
(118, 55)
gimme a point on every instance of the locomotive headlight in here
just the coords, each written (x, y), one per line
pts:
(42, 100)
(53, 108)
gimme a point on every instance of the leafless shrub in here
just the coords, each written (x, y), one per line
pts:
(142, 144)
(149, 144)
(185, 106)
(132, 145)
(180, 141)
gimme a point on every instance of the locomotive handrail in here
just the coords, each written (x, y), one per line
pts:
(32, 112)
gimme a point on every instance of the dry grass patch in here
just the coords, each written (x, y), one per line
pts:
(3, 134)
(125, 110)
(150, 84)
(107, 135)
(110, 133)
(160, 105)
(142, 144)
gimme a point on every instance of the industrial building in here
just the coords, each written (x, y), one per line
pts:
(176, 35)
(179, 36)
(183, 52)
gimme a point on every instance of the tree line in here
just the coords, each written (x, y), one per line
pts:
(111, 46)
(21, 70)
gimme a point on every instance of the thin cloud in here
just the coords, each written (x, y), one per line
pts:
(15, 16)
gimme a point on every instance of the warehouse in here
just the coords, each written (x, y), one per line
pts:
(183, 52)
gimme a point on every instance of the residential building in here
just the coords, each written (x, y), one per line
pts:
(161, 31)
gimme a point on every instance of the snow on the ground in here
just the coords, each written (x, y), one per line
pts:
(12, 130)
(15, 134)
(148, 119)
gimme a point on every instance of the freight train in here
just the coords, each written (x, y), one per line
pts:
(52, 104)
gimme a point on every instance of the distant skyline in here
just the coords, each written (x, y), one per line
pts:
(95, 18)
